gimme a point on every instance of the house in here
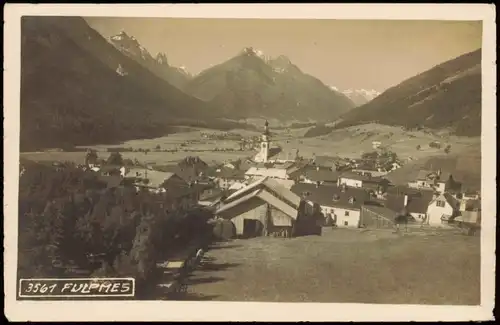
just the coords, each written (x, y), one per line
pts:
(376, 144)
(265, 208)
(341, 205)
(315, 174)
(277, 172)
(369, 169)
(416, 202)
(108, 170)
(329, 162)
(351, 179)
(225, 177)
(211, 196)
(439, 181)
(468, 218)
(441, 209)
(283, 156)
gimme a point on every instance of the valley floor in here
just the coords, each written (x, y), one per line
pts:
(344, 266)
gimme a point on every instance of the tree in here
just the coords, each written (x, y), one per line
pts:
(115, 158)
(91, 157)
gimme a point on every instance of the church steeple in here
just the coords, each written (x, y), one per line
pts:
(264, 145)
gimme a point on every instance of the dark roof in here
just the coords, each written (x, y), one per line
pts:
(320, 174)
(473, 205)
(404, 189)
(417, 201)
(212, 193)
(324, 195)
(368, 166)
(353, 175)
(387, 213)
(188, 173)
(451, 200)
(274, 151)
(192, 162)
(225, 172)
(325, 161)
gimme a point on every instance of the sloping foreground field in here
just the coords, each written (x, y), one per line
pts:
(344, 266)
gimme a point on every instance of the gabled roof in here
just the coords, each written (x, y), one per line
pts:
(418, 201)
(156, 178)
(266, 196)
(272, 186)
(382, 212)
(451, 200)
(332, 195)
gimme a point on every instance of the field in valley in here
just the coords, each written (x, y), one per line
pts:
(349, 142)
(344, 265)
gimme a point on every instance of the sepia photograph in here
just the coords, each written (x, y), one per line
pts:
(230, 159)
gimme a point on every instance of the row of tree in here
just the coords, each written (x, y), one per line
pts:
(71, 223)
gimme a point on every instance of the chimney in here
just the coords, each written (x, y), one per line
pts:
(439, 172)
(405, 200)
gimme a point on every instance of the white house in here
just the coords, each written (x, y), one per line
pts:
(376, 144)
(351, 179)
(441, 209)
(438, 181)
(340, 204)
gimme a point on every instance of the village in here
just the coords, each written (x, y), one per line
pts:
(346, 192)
(278, 193)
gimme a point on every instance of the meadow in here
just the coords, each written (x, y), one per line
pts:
(344, 266)
(349, 142)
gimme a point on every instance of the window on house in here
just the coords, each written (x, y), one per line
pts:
(346, 223)
(440, 203)
(346, 213)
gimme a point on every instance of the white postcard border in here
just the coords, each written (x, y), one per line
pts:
(175, 310)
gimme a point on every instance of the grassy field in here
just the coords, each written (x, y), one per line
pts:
(349, 142)
(344, 265)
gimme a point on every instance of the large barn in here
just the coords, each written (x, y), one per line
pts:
(265, 208)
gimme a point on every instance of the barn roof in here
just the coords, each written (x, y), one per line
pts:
(272, 186)
(266, 196)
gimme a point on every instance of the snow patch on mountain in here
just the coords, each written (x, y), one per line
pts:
(358, 96)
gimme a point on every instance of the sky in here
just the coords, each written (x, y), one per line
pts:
(347, 54)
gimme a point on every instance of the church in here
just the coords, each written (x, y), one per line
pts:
(267, 154)
(273, 163)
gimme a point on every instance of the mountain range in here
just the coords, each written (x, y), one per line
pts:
(359, 96)
(447, 96)
(247, 85)
(76, 89)
(251, 85)
(159, 65)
